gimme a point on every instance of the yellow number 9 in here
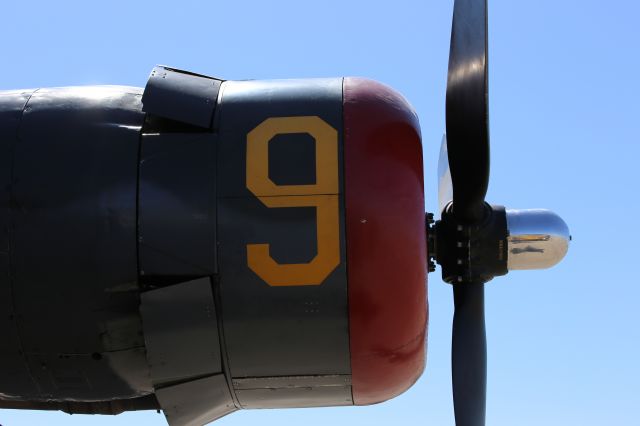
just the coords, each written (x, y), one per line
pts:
(323, 195)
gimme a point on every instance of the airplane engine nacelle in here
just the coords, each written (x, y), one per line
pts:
(208, 245)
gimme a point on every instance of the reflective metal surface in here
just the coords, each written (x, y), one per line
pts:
(538, 239)
(445, 188)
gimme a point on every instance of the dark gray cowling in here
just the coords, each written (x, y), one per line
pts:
(68, 288)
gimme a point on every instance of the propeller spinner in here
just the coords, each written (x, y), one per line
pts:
(475, 241)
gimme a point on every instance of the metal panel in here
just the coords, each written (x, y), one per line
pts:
(181, 332)
(111, 407)
(74, 212)
(181, 96)
(277, 331)
(177, 210)
(196, 403)
(244, 105)
(323, 396)
(293, 391)
(15, 379)
(290, 382)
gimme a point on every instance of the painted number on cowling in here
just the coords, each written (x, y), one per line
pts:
(323, 195)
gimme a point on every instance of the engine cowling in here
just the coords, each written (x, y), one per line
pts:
(225, 245)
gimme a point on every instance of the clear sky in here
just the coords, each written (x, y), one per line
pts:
(564, 343)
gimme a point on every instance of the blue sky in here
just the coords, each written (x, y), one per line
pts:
(563, 343)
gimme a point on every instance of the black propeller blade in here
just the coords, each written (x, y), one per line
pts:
(467, 116)
(469, 355)
(468, 110)
(473, 241)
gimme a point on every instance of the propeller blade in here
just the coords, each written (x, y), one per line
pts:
(467, 110)
(467, 116)
(445, 189)
(469, 355)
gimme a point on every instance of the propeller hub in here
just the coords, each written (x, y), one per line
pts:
(471, 253)
(504, 240)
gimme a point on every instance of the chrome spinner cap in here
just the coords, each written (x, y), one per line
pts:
(538, 239)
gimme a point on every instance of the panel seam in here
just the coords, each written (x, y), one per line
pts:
(215, 279)
(10, 239)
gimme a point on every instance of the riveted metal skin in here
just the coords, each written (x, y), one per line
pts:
(15, 377)
(295, 391)
(177, 206)
(72, 227)
(181, 332)
(197, 402)
(308, 322)
(183, 350)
